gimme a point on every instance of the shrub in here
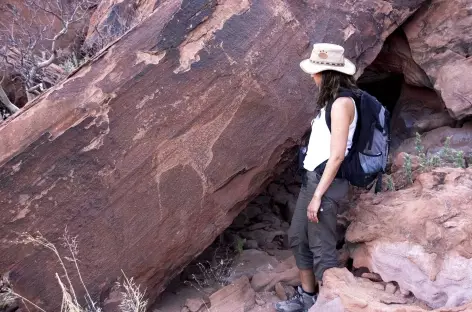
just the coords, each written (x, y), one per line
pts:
(390, 183)
(446, 157)
(407, 168)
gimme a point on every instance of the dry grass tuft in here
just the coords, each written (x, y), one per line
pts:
(133, 299)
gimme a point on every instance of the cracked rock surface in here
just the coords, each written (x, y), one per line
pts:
(420, 237)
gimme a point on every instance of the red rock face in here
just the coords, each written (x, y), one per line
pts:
(420, 237)
(342, 292)
(439, 37)
(151, 149)
(112, 18)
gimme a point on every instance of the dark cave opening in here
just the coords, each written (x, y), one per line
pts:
(404, 88)
(386, 87)
(386, 76)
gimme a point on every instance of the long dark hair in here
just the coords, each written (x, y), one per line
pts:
(331, 81)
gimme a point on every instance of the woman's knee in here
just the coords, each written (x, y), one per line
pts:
(303, 256)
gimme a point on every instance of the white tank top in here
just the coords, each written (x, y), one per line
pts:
(319, 145)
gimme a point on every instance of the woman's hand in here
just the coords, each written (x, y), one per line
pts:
(313, 207)
(342, 114)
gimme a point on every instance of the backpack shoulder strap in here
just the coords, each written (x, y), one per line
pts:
(342, 93)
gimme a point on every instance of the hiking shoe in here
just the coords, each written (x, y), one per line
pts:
(301, 302)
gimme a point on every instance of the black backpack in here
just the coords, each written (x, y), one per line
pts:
(368, 155)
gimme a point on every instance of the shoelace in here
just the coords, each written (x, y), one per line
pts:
(296, 297)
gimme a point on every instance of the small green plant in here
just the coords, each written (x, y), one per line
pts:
(446, 152)
(434, 161)
(446, 156)
(423, 160)
(418, 144)
(72, 62)
(239, 244)
(459, 159)
(407, 168)
(390, 183)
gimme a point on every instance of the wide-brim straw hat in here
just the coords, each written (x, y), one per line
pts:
(327, 56)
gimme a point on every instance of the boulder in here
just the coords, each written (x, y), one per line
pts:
(149, 150)
(420, 237)
(439, 35)
(258, 226)
(279, 193)
(265, 302)
(238, 296)
(263, 237)
(194, 304)
(250, 244)
(342, 292)
(252, 211)
(250, 262)
(399, 162)
(179, 296)
(286, 272)
(284, 292)
(434, 140)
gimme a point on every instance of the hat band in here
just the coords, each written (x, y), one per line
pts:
(327, 63)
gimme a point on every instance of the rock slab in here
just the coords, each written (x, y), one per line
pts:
(342, 292)
(439, 35)
(420, 237)
(239, 296)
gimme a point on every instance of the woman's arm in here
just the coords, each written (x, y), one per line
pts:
(342, 114)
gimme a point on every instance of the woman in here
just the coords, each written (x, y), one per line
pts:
(312, 233)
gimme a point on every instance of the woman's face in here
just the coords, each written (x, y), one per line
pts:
(317, 78)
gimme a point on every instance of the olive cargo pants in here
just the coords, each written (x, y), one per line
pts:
(314, 244)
